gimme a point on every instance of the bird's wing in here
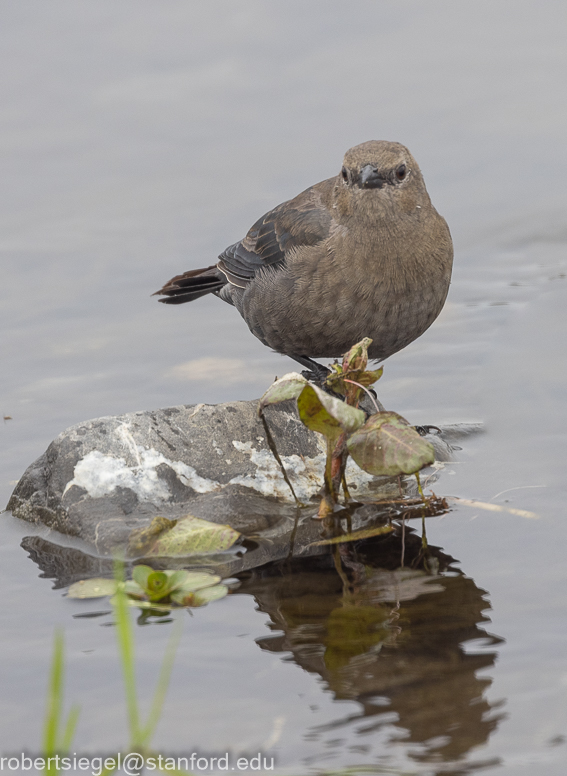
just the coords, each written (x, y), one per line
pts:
(300, 222)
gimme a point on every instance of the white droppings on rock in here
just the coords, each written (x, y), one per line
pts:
(189, 477)
(101, 474)
(127, 440)
(305, 474)
(268, 478)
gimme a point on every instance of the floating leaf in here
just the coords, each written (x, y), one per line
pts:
(140, 575)
(156, 585)
(387, 445)
(203, 596)
(198, 580)
(363, 533)
(327, 415)
(287, 387)
(92, 588)
(132, 588)
(193, 535)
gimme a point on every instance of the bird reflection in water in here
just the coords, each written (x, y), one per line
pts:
(406, 644)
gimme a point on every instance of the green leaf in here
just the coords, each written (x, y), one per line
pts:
(200, 597)
(132, 588)
(388, 446)
(185, 596)
(287, 387)
(157, 585)
(196, 580)
(367, 378)
(193, 535)
(337, 381)
(141, 539)
(176, 578)
(357, 356)
(92, 588)
(140, 575)
(327, 415)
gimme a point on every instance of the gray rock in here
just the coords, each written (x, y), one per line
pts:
(101, 479)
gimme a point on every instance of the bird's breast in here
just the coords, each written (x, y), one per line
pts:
(358, 283)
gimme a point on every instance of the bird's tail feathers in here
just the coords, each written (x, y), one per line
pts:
(191, 285)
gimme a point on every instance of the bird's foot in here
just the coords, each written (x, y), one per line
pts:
(425, 430)
(315, 377)
(315, 373)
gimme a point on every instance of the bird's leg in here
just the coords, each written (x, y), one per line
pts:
(315, 373)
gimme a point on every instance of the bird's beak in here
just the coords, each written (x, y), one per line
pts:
(370, 178)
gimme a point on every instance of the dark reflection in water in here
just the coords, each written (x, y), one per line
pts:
(407, 643)
(398, 641)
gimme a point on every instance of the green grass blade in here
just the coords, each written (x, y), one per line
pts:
(54, 698)
(162, 684)
(70, 727)
(126, 646)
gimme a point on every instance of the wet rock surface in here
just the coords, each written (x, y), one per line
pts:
(102, 479)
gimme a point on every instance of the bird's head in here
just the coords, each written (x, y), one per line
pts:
(378, 176)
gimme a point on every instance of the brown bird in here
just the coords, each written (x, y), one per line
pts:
(363, 254)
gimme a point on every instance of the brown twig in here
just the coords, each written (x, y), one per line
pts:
(273, 448)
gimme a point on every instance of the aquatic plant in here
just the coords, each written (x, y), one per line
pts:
(156, 590)
(385, 444)
(57, 735)
(57, 742)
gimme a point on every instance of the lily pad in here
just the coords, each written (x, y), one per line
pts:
(388, 446)
(193, 535)
(287, 387)
(327, 415)
(92, 588)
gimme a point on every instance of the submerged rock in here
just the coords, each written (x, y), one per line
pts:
(102, 479)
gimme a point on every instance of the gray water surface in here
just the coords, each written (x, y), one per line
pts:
(137, 140)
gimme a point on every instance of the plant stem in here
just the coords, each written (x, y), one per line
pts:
(273, 448)
(126, 646)
(364, 389)
(345, 488)
(329, 500)
(420, 489)
(54, 698)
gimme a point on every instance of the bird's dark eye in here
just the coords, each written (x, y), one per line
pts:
(344, 174)
(401, 172)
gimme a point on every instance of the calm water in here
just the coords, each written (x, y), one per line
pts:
(137, 141)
